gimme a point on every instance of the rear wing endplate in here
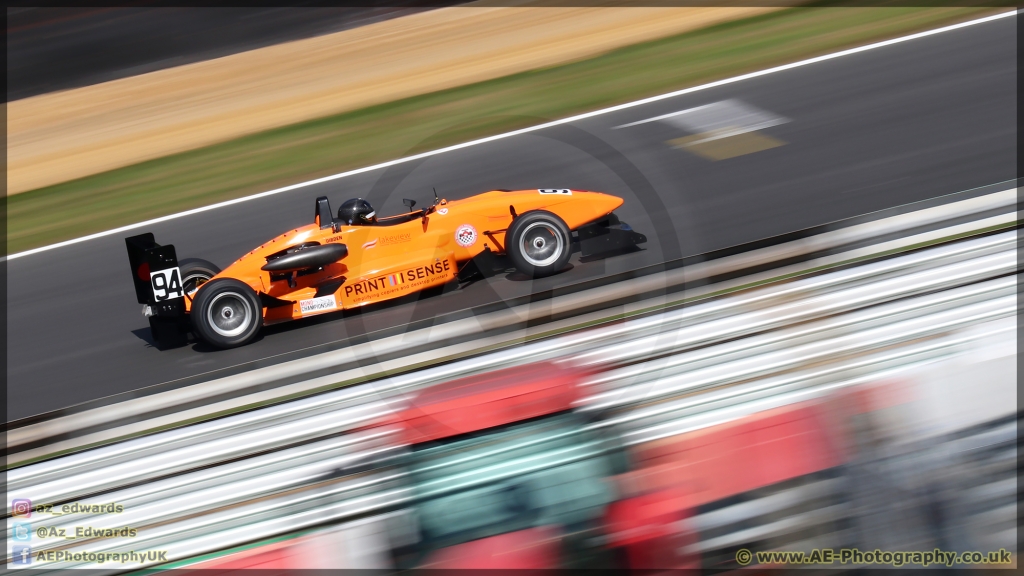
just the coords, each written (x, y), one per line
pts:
(158, 285)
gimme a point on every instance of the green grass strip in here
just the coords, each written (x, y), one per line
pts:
(364, 137)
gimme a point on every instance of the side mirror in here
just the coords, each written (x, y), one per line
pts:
(409, 203)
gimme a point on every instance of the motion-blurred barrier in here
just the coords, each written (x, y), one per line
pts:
(268, 472)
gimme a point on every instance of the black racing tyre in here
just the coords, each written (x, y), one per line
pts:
(539, 243)
(226, 313)
(194, 273)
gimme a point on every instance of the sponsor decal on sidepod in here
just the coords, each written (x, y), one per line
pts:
(401, 281)
(318, 304)
(465, 235)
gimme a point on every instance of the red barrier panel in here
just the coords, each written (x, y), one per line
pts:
(488, 400)
(283, 556)
(651, 527)
(739, 456)
(535, 548)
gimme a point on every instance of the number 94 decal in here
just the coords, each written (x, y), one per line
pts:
(166, 284)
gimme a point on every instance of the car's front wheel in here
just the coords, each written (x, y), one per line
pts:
(539, 243)
(226, 313)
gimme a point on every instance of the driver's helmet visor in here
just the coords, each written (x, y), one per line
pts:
(369, 216)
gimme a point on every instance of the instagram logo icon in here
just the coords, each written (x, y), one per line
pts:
(22, 507)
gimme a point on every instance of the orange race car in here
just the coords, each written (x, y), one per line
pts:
(356, 259)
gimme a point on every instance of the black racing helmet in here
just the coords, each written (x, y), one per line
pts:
(357, 212)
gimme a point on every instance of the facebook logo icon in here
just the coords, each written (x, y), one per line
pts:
(22, 555)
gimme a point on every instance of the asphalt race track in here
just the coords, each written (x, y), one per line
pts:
(869, 131)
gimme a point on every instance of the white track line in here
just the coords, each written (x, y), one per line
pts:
(663, 116)
(517, 132)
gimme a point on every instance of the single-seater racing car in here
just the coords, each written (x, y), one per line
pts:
(355, 258)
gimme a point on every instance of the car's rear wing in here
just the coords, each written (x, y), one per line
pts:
(158, 285)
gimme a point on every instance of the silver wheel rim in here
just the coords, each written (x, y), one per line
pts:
(541, 244)
(229, 314)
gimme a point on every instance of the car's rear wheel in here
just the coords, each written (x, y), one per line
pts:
(194, 273)
(539, 243)
(226, 313)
